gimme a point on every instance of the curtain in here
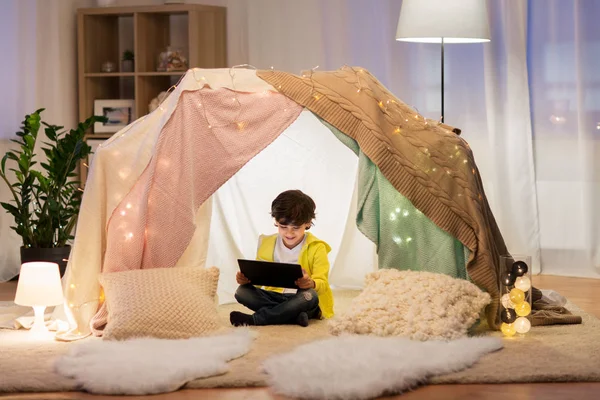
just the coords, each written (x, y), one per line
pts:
(37, 38)
(492, 80)
(14, 79)
(563, 60)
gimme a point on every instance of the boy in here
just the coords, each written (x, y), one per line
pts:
(293, 212)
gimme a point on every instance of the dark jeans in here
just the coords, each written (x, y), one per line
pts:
(272, 308)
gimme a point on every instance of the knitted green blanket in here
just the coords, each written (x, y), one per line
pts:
(406, 239)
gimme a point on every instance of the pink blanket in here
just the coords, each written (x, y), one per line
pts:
(209, 137)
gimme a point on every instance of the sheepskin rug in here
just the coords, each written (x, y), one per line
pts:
(362, 367)
(417, 305)
(149, 366)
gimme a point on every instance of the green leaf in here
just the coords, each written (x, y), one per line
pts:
(23, 164)
(53, 205)
(44, 182)
(32, 122)
(30, 141)
(3, 164)
(47, 152)
(50, 132)
(11, 209)
(11, 155)
(19, 142)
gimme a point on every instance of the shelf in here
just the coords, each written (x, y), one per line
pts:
(167, 8)
(172, 73)
(109, 35)
(131, 74)
(108, 74)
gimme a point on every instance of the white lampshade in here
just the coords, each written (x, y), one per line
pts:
(39, 285)
(456, 21)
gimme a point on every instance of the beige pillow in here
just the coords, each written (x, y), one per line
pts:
(418, 305)
(169, 303)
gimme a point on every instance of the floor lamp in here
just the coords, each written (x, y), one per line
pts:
(443, 21)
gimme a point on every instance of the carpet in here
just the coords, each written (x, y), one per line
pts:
(559, 353)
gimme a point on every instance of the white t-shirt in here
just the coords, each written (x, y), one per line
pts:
(289, 256)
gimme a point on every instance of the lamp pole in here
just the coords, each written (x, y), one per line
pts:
(442, 79)
(443, 21)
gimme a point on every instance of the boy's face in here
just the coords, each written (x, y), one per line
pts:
(291, 235)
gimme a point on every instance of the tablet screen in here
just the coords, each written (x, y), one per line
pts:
(265, 273)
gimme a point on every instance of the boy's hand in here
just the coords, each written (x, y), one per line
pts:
(306, 282)
(241, 278)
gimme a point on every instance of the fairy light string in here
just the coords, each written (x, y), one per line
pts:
(403, 122)
(203, 84)
(394, 112)
(516, 299)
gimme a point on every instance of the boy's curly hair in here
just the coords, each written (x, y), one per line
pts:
(293, 207)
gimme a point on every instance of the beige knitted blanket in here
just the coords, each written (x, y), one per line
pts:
(425, 161)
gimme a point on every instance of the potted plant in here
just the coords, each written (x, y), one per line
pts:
(45, 203)
(127, 62)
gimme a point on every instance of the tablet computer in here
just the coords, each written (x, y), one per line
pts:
(266, 273)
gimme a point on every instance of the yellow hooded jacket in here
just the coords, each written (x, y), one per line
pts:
(313, 258)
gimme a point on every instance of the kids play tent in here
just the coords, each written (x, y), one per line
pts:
(191, 183)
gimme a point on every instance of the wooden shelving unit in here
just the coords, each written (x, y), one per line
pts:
(105, 33)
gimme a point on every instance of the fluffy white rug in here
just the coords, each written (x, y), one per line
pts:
(363, 367)
(149, 366)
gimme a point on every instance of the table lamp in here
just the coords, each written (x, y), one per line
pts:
(443, 21)
(39, 287)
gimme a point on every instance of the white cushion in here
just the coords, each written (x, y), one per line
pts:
(417, 305)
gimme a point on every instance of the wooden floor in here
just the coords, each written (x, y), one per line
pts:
(583, 292)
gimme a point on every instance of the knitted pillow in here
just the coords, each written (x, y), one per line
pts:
(169, 303)
(418, 305)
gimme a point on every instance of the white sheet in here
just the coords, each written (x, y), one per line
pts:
(307, 156)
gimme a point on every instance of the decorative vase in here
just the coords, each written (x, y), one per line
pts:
(172, 59)
(58, 255)
(107, 67)
(127, 66)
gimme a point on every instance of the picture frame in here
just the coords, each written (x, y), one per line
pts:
(120, 113)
